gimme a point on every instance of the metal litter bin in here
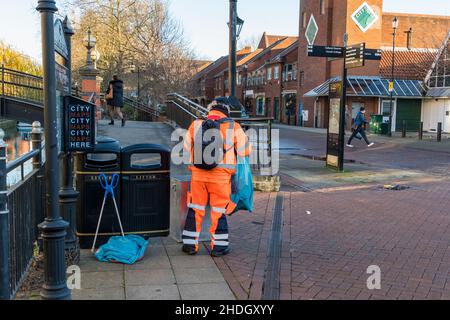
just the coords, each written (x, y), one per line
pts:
(146, 190)
(88, 165)
(375, 123)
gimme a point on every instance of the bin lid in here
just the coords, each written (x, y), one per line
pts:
(107, 144)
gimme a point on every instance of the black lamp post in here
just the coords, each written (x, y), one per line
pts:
(391, 85)
(67, 194)
(137, 69)
(53, 229)
(235, 25)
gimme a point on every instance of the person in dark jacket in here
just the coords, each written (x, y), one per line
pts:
(115, 104)
(358, 127)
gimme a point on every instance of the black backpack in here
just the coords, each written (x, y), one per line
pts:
(211, 142)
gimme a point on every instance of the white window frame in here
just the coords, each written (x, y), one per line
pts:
(276, 72)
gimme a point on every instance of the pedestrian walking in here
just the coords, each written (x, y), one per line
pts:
(114, 99)
(212, 170)
(358, 128)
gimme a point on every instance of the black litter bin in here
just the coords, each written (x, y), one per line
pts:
(88, 165)
(146, 190)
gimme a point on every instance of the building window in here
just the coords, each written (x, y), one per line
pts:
(304, 20)
(269, 73)
(322, 6)
(302, 78)
(276, 72)
(288, 72)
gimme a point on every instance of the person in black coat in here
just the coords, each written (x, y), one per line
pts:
(115, 103)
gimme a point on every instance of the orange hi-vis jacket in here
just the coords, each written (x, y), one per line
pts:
(236, 142)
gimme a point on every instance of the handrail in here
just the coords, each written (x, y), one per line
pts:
(10, 166)
(187, 111)
(189, 102)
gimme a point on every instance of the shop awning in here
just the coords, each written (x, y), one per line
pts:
(438, 93)
(360, 86)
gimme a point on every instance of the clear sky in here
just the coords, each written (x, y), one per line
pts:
(204, 21)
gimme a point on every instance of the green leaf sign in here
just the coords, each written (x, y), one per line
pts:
(311, 30)
(364, 17)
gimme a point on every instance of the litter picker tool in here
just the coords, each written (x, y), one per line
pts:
(109, 189)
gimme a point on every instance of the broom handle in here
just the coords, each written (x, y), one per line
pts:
(118, 216)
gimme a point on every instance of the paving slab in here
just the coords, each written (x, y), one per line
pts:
(197, 276)
(153, 292)
(205, 291)
(149, 277)
(188, 262)
(159, 275)
(95, 294)
(102, 280)
(151, 262)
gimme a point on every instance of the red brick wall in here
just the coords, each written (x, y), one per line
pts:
(316, 69)
(428, 31)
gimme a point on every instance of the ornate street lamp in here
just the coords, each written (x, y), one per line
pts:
(235, 25)
(89, 42)
(391, 84)
(53, 229)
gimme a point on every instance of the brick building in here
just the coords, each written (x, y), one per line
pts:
(266, 78)
(324, 22)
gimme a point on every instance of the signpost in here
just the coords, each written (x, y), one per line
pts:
(355, 56)
(80, 125)
(325, 51)
(335, 136)
(372, 54)
(338, 52)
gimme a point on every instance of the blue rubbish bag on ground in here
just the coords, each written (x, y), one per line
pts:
(242, 185)
(127, 249)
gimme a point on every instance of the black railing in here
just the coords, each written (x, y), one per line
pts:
(24, 209)
(20, 85)
(182, 112)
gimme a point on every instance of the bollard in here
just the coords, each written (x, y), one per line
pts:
(439, 132)
(404, 129)
(390, 127)
(5, 293)
(421, 131)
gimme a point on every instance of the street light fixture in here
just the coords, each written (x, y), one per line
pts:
(235, 27)
(391, 84)
(240, 24)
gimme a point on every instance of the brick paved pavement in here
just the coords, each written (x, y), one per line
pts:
(325, 255)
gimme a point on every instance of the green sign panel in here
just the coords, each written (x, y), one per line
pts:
(311, 30)
(364, 17)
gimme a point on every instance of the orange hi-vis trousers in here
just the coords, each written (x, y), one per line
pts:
(218, 195)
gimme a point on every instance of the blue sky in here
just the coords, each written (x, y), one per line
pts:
(204, 21)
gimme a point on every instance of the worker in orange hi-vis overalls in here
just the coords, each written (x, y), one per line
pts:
(211, 180)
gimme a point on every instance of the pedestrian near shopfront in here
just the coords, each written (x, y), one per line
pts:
(358, 128)
(114, 99)
(211, 180)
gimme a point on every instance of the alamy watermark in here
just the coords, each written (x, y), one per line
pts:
(74, 277)
(374, 280)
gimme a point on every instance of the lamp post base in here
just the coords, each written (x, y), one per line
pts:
(53, 235)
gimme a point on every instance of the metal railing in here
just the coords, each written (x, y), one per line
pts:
(20, 85)
(182, 112)
(22, 209)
